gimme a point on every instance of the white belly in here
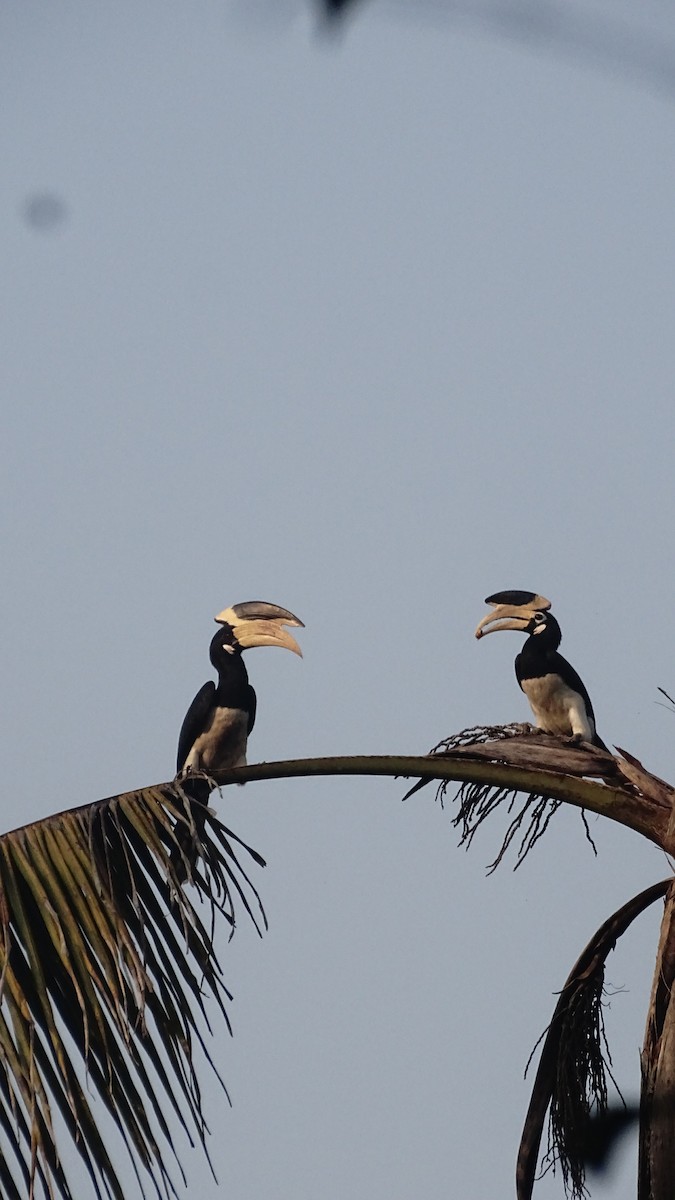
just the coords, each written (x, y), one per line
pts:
(222, 745)
(558, 709)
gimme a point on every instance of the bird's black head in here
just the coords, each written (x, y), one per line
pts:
(224, 647)
(544, 627)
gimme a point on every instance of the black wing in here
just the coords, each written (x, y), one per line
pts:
(575, 682)
(195, 721)
(251, 705)
(571, 678)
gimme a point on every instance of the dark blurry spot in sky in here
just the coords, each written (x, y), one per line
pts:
(334, 13)
(335, 8)
(45, 212)
(633, 44)
(276, 16)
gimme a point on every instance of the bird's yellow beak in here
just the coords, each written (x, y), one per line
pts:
(258, 623)
(507, 615)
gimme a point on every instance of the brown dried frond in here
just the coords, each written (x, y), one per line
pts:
(580, 1088)
(478, 801)
(575, 1062)
(531, 812)
(476, 735)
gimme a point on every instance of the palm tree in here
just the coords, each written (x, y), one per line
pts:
(107, 970)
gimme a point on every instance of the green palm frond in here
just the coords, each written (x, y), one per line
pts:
(106, 970)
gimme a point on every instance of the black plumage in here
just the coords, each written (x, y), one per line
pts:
(217, 724)
(556, 692)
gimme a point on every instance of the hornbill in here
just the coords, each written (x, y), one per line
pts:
(217, 724)
(557, 696)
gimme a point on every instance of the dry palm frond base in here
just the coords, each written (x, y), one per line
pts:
(522, 747)
(105, 962)
(571, 1078)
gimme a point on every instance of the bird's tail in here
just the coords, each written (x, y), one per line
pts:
(188, 832)
(597, 741)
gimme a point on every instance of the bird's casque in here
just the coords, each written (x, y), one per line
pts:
(558, 699)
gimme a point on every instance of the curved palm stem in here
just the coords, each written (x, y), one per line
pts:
(619, 802)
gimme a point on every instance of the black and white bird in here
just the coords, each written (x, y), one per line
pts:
(215, 731)
(557, 696)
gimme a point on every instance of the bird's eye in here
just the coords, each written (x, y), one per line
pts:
(539, 619)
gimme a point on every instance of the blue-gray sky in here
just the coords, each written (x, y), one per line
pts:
(368, 326)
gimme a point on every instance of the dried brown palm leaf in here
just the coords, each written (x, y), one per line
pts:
(560, 770)
(571, 1077)
(657, 1096)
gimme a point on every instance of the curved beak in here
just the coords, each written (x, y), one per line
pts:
(504, 617)
(258, 623)
(511, 615)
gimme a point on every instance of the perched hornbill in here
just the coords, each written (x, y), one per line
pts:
(558, 698)
(217, 724)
